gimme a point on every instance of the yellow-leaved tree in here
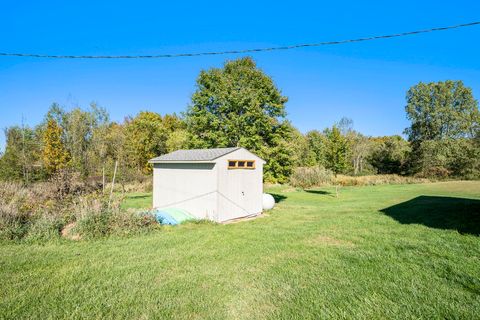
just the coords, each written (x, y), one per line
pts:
(55, 155)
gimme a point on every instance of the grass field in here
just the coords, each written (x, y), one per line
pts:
(391, 251)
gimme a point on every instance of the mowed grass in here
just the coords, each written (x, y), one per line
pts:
(138, 200)
(392, 251)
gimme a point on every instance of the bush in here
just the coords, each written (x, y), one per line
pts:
(437, 172)
(40, 212)
(131, 222)
(93, 216)
(67, 182)
(375, 180)
(13, 229)
(306, 177)
(96, 219)
(15, 211)
(46, 228)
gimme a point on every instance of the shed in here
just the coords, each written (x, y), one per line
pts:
(218, 184)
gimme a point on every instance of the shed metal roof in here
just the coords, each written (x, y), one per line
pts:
(194, 155)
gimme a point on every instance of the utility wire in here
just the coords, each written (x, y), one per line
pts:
(196, 54)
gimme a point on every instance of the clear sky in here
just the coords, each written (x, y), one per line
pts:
(365, 81)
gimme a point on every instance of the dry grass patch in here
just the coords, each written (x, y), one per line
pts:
(323, 240)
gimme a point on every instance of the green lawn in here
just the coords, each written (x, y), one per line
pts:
(139, 200)
(399, 251)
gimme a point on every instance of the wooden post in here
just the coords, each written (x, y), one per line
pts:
(24, 167)
(113, 183)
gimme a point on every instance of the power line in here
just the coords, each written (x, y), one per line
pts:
(196, 54)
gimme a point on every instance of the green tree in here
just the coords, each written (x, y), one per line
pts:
(11, 160)
(178, 139)
(239, 105)
(145, 138)
(440, 110)
(55, 155)
(447, 158)
(316, 145)
(336, 150)
(303, 156)
(360, 149)
(389, 154)
(86, 149)
(82, 132)
(21, 159)
(178, 136)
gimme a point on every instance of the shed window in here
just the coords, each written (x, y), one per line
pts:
(241, 164)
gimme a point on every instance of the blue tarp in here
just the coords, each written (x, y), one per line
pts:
(172, 216)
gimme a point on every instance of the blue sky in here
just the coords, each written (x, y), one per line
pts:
(365, 81)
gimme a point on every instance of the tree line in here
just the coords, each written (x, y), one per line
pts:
(239, 105)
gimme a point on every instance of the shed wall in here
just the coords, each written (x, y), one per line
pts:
(239, 190)
(188, 186)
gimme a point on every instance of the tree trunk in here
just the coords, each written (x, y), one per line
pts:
(103, 179)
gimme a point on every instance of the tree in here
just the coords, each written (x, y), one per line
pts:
(360, 148)
(345, 125)
(11, 160)
(336, 150)
(82, 132)
(145, 138)
(55, 155)
(316, 145)
(389, 154)
(440, 110)
(178, 139)
(447, 158)
(303, 156)
(21, 159)
(239, 105)
(84, 137)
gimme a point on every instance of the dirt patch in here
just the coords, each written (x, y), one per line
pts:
(261, 215)
(68, 233)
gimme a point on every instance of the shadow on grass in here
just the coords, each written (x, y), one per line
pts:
(278, 197)
(320, 192)
(445, 213)
(140, 196)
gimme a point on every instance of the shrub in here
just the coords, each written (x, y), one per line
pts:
(67, 182)
(44, 229)
(15, 211)
(131, 222)
(12, 229)
(95, 218)
(375, 180)
(92, 216)
(306, 177)
(317, 176)
(40, 212)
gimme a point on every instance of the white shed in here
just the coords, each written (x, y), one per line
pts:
(217, 184)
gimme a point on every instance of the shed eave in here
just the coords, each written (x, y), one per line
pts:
(180, 161)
